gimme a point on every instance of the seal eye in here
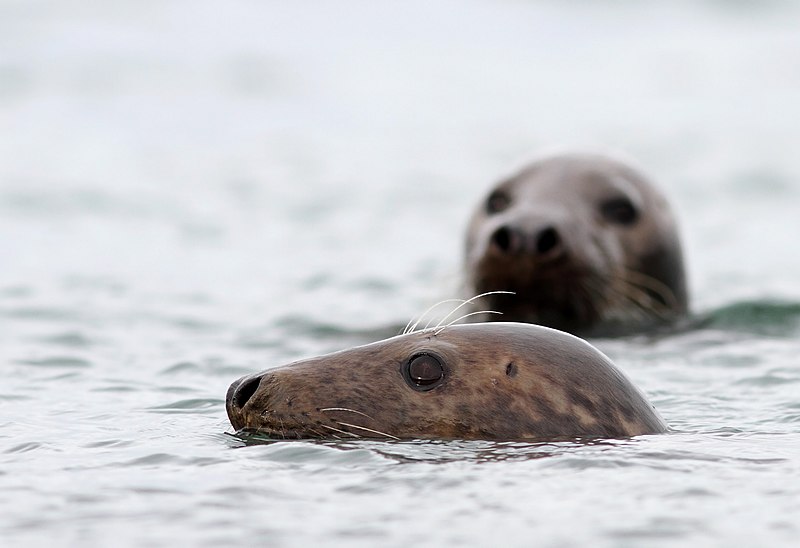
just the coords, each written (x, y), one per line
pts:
(497, 202)
(423, 372)
(620, 211)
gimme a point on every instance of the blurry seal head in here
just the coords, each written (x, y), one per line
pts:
(586, 244)
(491, 381)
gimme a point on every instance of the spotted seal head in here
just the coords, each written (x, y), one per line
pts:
(492, 381)
(586, 244)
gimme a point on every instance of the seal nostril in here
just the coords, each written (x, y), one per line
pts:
(245, 391)
(502, 238)
(547, 241)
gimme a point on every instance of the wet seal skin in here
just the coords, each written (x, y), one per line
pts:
(488, 381)
(586, 244)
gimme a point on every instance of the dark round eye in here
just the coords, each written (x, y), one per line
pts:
(423, 372)
(620, 210)
(497, 202)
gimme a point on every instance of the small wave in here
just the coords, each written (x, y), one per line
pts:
(319, 329)
(761, 317)
(113, 443)
(58, 361)
(427, 451)
(71, 339)
(16, 292)
(13, 397)
(770, 378)
(180, 367)
(188, 405)
(311, 451)
(24, 447)
(41, 313)
(275, 335)
(155, 459)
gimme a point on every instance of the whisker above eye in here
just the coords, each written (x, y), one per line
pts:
(410, 328)
(412, 325)
(439, 329)
(470, 301)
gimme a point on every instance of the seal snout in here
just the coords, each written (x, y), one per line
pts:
(239, 393)
(545, 243)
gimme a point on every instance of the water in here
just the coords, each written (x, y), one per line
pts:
(193, 191)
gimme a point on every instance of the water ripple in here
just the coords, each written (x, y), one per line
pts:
(189, 405)
(770, 378)
(73, 339)
(180, 367)
(108, 443)
(14, 397)
(57, 361)
(42, 313)
(24, 447)
(760, 317)
(310, 452)
(160, 459)
(154, 459)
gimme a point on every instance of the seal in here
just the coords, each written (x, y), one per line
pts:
(489, 381)
(585, 243)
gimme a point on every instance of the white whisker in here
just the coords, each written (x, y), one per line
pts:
(469, 301)
(410, 328)
(351, 434)
(368, 430)
(630, 300)
(326, 409)
(439, 329)
(648, 282)
(319, 434)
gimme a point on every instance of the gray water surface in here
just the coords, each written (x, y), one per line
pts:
(194, 191)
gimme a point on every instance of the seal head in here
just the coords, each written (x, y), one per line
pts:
(492, 381)
(585, 243)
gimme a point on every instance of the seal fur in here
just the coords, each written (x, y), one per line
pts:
(499, 381)
(586, 244)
